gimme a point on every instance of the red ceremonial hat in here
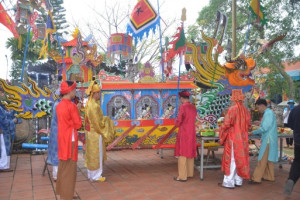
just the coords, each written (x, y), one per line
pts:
(184, 94)
(237, 95)
(65, 88)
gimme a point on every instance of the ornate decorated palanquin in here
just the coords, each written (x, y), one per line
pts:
(143, 113)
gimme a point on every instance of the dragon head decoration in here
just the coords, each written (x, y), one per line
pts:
(238, 71)
(29, 102)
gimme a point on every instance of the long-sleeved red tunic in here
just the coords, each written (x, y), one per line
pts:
(186, 136)
(234, 131)
(68, 121)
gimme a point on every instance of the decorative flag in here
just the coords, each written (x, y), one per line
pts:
(50, 24)
(142, 19)
(178, 45)
(258, 11)
(7, 21)
(47, 41)
(180, 42)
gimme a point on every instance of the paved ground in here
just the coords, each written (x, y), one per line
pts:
(134, 174)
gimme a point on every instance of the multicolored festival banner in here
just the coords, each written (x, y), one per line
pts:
(7, 21)
(142, 19)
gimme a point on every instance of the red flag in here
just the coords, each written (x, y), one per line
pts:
(142, 19)
(8, 22)
(142, 14)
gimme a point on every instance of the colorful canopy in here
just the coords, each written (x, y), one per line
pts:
(119, 43)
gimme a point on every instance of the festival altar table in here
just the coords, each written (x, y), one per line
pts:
(205, 138)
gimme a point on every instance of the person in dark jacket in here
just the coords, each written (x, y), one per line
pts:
(293, 123)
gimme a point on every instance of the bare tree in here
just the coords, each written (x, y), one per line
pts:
(114, 19)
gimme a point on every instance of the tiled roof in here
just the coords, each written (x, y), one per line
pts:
(292, 66)
(288, 67)
(73, 43)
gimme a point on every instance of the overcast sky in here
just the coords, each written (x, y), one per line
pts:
(79, 12)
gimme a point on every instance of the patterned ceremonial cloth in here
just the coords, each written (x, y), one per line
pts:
(7, 21)
(5, 124)
(186, 136)
(52, 158)
(142, 19)
(234, 131)
(99, 125)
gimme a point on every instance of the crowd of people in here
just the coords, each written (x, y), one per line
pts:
(233, 135)
(63, 148)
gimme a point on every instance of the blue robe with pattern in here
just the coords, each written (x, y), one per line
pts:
(52, 146)
(5, 123)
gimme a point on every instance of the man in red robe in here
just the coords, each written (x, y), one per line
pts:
(185, 148)
(234, 137)
(68, 121)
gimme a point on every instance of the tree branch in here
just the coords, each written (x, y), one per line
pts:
(281, 70)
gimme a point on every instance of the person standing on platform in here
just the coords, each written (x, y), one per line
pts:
(185, 147)
(294, 124)
(234, 136)
(68, 121)
(52, 158)
(268, 152)
(100, 130)
(286, 113)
